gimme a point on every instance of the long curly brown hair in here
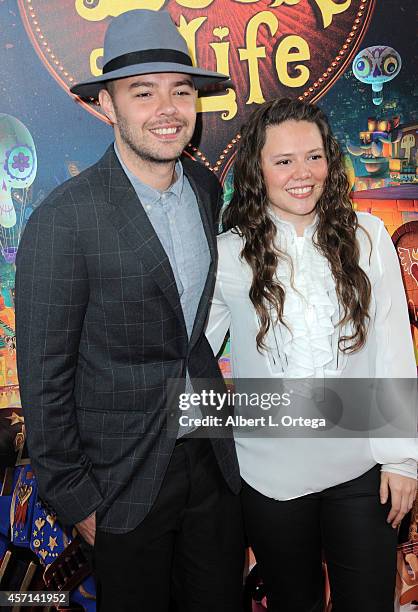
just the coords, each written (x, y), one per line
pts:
(335, 233)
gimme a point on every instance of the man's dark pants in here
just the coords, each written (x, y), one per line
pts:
(189, 547)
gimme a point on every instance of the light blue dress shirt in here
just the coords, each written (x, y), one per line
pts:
(175, 217)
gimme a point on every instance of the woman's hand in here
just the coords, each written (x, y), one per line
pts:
(402, 491)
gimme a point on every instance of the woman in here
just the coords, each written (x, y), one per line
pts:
(308, 288)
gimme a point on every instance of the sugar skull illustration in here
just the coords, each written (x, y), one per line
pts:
(18, 165)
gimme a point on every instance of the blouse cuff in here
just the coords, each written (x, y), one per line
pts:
(406, 468)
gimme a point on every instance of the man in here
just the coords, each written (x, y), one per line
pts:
(114, 274)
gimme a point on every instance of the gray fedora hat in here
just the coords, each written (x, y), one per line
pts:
(144, 42)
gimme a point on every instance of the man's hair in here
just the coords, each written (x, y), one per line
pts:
(110, 87)
(335, 233)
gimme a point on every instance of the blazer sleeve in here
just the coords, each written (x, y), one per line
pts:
(52, 293)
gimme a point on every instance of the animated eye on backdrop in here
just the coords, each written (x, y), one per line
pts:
(375, 66)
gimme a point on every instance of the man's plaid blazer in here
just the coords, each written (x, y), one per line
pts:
(100, 329)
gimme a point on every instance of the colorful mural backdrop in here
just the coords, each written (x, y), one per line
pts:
(268, 48)
(353, 57)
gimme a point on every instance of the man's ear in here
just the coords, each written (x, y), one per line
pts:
(106, 102)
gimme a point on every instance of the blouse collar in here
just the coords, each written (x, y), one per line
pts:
(288, 229)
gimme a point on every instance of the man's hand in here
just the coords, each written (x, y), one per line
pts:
(403, 491)
(87, 528)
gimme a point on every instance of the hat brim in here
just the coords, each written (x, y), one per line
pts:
(201, 78)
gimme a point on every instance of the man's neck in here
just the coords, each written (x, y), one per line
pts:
(156, 175)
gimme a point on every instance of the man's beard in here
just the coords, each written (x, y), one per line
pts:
(145, 153)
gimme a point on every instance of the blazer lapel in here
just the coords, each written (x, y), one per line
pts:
(131, 221)
(205, 206)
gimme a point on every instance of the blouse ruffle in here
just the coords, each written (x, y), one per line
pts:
(311, 306)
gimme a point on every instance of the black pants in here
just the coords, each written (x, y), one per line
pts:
(346, 523)
(189, 547)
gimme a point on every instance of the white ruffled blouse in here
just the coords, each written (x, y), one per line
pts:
(287, 468)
